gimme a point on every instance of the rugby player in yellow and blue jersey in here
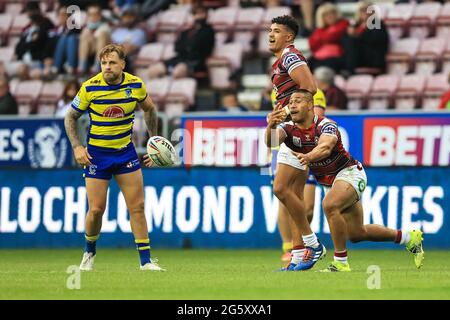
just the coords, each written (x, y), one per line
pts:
(111, 98)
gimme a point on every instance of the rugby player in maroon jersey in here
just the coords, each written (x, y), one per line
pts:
(317, 143)
(289, 73)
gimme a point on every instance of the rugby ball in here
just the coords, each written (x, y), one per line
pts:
(161, 151)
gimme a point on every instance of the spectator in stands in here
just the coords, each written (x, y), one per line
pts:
(64, 43)
(150, 7)
(445, 100)
(230, 103)
(336, 98)
(70, 91)
(192, 48)
(326, 41)
(128, 35)
(95, 36)
(366, 44)
(33, 56)
(8, 104)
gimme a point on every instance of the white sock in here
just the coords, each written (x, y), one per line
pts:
(405, 237)
(297, 256)
(310, 240)
(343, 258)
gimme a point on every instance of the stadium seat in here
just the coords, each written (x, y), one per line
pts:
(5, 25)
(401, 55)
(340, 81)
(6, 54)
(429, 56)
(224, 61)
(20, 21)
(383, 87)
(168, 52)
(182, 90)
(26, 94)
(158, 89)
(271, 13)
(51, 92)
(357, 88)
(14, 8)
(171, 22)
(443, 22)
(423, 20)
(437, 85)
(149, 53)
(446, 59)
(409, 92)
(247, 22)
(397, 19)
(223, 19)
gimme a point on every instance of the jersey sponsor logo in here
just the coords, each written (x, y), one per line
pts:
(330, 128)
(77, 101)
(297, 141)
(114, 112)
(291, 59)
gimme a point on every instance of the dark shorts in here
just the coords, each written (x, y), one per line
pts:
(106, 163)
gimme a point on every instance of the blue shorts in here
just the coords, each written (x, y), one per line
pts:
(106, 163)
(311, 180)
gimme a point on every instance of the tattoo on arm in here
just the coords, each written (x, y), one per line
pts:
(150, 116)
(70, 123)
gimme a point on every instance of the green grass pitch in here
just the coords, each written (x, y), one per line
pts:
(219, 274)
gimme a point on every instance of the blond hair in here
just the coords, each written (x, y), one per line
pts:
(364, 4)
(327, 7)
(110, 48)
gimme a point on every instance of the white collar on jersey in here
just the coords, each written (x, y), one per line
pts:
(285, 50)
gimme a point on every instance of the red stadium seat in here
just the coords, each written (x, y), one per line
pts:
(224, 61)
(171, 22)
(423, 20)
(397, 19)
(223, 19)
(409, 92)
(383, 87)
(437, 85)
(340, 81)
(14, 8)
(51, 92)
(158, 89)
(446, 59)
(247, 22)
(169, 51)
(271, 13)
(357, 89)
(401, 55)
(443, 22)
(5, 26)
(20, 21)
(149, 53)
(182, 90)
(6, 54)
(26, 94)
(429, 56)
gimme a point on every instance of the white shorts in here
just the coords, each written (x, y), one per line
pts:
(285, 156)
(353, 175)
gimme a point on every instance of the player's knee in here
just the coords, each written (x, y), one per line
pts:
(137, 209)
(97, 211)
(279, 191)
(330, 208)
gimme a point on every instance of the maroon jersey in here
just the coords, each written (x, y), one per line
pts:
(304, 140)
(282, 82)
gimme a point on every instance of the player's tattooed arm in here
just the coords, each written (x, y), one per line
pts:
(70, 123)
(150, 115)
(81, 154)
(323, 149)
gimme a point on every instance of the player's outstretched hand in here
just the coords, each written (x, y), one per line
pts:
(82, 156)
(303, 158)
(276, 117)
(147, 161)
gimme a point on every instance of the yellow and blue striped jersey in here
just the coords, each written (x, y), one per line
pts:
(319, 99)
(111, 109)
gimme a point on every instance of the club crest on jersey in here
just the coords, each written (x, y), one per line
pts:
(290, 58)
(128, 92)
(297, 141)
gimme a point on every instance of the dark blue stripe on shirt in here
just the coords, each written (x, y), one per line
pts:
(79, 110)
(110, 137)
(135, 85)
(112, 123)
(113, 101)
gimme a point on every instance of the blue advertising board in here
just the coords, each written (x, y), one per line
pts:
(35, 143)
(208, 208)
